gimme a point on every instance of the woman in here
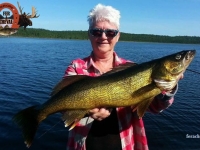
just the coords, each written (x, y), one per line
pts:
(103, 129)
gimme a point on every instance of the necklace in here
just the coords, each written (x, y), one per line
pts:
(104, 65)
(103, 68)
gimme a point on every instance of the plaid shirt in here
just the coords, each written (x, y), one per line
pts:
(131, 128)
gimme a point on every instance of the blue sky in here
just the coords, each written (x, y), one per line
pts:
(159, 17)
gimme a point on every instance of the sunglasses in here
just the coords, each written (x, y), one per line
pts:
(96, 32)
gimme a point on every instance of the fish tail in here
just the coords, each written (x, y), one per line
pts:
(27, 119)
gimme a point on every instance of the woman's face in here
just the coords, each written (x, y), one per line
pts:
(103, 44)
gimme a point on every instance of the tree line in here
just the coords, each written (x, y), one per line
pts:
(83, 35)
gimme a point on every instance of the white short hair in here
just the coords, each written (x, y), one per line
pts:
(104, 13)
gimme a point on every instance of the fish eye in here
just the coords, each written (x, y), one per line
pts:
(178, 56)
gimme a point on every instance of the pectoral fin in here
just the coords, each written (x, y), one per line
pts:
(72, 117)
(145, 96)
(141, 109)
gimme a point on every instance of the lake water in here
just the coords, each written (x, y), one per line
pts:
(30, 68)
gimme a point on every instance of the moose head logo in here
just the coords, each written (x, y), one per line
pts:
(24, 19)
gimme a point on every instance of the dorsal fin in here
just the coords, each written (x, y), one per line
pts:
(120, 68)
(65, 82)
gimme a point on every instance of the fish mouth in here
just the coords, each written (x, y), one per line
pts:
(190, 54)
(188, 57)
(192, 51)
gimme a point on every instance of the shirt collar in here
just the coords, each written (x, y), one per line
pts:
(90, 62)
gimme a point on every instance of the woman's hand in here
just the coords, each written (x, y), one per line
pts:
(99, 113)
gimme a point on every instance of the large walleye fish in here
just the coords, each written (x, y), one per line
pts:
(125, 85)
